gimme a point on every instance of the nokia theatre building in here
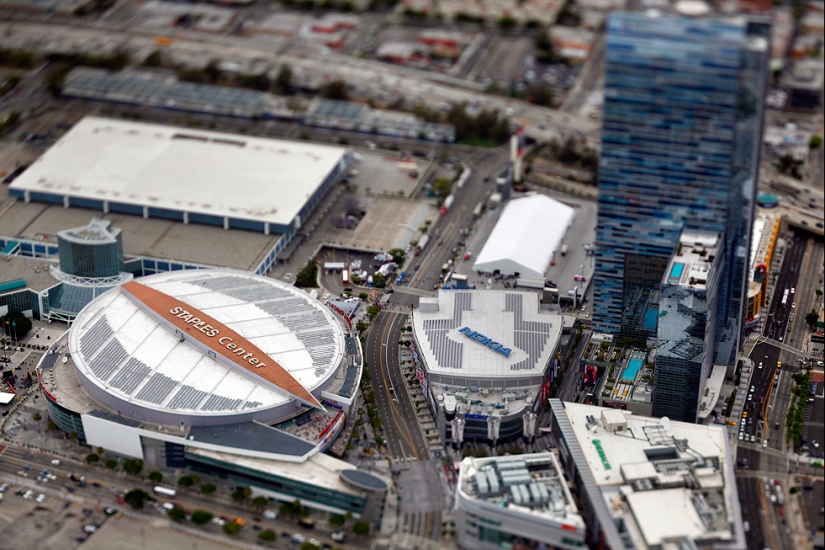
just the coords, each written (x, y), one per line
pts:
(485, 359)
(216, 371)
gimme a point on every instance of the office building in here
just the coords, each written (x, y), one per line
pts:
(680, 150)
(648, 483)
(91, 263)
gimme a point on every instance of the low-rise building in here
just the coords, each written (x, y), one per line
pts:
(516, 502)
(644, 482)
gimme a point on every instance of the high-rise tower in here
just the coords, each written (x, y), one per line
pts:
(680, 150)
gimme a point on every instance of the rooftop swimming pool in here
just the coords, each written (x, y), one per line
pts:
(632, 369)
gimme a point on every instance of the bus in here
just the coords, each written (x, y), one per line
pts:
(785, 298)
(165, 491)
(345, 277)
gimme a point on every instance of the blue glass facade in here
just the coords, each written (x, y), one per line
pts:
(91, 251)
(681, 129)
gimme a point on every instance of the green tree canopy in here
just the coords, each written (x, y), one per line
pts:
(176, 514)
(133, 467)
(136, 498)
(201, 517)
(155, 476)
(811, 318)
(268, 535)
(185, 481)
(92, 458)
(231, 528)
(308, 276)
(110, 463)
(259, 502)
(361, 527)
(208, 488)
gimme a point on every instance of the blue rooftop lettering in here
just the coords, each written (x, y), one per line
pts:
(481, 339)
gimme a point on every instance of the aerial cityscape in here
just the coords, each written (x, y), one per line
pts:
(412, 274)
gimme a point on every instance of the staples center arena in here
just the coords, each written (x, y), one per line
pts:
(226, 373)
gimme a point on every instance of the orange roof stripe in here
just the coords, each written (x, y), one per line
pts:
(210, 333)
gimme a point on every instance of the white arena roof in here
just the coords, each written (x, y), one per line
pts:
(512, 319)
(182, 169)
(218, 343)
(525, 237)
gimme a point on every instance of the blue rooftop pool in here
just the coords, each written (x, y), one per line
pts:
(632, 369)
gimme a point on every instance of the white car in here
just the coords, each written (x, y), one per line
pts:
(338, 536)
(741, 436)
(760, 364)
(764, 443)
(793, 305)
(218, 521)
(41, 497)
(298, 538)
(270, 514)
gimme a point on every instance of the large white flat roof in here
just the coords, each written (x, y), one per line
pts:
(510, 318)
(182, 169)
(526, 236)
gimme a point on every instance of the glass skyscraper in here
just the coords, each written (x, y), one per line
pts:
(680, 149)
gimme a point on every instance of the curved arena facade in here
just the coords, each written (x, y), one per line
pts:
(221, 372)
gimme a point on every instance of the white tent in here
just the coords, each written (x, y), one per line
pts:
(526, 236)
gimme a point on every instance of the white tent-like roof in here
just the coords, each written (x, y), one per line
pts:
(526, 236)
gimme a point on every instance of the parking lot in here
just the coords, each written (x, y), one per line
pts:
(506, 62)
(53, 523)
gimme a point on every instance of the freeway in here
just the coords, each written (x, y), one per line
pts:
(197, 49)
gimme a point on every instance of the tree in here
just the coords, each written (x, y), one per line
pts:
(185, 481)
(259, 502)
(398, 255)
(241, 493)
(91, 458)
(361, 326)
(815, 142)
(110, 463)
(17, 325)
(379, 280)
(231, 528)
(208, 488)
(176, 514)
(337, 519)
(308, 276)
(337, 89)
(306, 545)
(811, 318)
(155, 476)
(136, 498)
(133, 467)
(201, 517)
(37, 418)
(283, 82)
(352, 207)
(268, 535)
(154, 59)
(361, 527)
